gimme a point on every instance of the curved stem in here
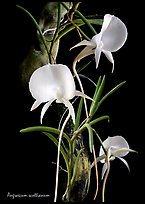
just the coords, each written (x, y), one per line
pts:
(81, 86)
(37, 26)
(57, 29)
(100, 141)
(106, 176)
(86, 21)
(82, 17)
(62, 150)
(58, 156)
(96, 169)
(104, 117)
(45, 129)
(70, 172)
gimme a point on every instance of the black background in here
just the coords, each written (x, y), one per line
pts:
(27, 158)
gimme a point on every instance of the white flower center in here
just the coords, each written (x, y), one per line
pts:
(100, 44)
(59, 95)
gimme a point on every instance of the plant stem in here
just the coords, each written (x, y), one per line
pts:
(37, 26)
(58, 156)
(106, 176)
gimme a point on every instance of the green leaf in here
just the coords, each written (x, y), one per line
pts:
(88, 78)
(100, 140)
(54, 140)
(97, 96)
(78, 114)
(66, 28)
(104, 117)
(97, 87)
(37, 26)
(86, 22)
(91, 139)
(84, 19)
(76, 165)
(92, 123)
(44, 129)
(84, 66)
(111, 92)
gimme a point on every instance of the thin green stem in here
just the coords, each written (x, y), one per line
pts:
(83, 18)
(65, 156)
(76, 166)
(100, 141)
(57, 29)
(45, 129)
(104, 117)
(77, 22)
(65, 6)
(86, 22)
(81, 31)
(66, 196)
(37, 26)
(81, 86)
(83, 127)
(70, 168)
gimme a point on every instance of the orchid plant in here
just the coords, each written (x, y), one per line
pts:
(54, 82)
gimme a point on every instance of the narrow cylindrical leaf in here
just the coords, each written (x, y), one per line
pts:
(44, 129)
(111, 92)
(97, 96)
(55, 141)
(91, 139)
(104, 117)
(78, 114)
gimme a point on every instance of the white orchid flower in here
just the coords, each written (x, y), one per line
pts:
(116, 147)
(53, 82)
(111, 38)
(49, 83)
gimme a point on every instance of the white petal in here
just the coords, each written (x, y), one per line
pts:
(83, 42)
(65, 80)
(44, 109)
(101, 158)
(114, 34)
(122, 152)
(79, 93)
(88, 50)
(46, 81)
(109, 57)
(71, 109)
(104, 169)
(96, 39)
(125, 162)
(97, 56)
(106, 22)
(42, 84)
(115, 143)
(35, 105)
